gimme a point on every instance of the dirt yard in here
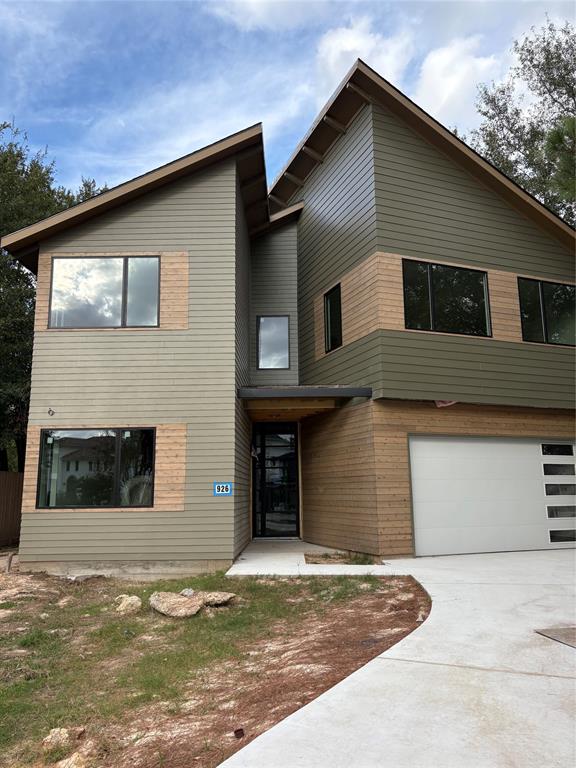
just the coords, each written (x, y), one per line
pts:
(147, 691)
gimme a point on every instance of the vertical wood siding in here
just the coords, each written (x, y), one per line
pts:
(151, 377)
(274, 291)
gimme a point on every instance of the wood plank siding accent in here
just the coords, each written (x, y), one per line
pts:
(340, 507)
(169, 469)
(395, 421)
(274, 291)
(151, 377)
(173, 290)
(373, 298)
(355, 465)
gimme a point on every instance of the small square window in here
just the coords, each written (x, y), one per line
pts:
(547, 311)
(333, 318)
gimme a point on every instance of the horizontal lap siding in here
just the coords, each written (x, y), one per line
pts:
(395, 421)
(428, 206)
(339, 479)
(151, 377)
(274, 291)
(474, 370)
(243, 427)
(336, 230)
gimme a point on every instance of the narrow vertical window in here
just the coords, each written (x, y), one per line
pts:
(273, 342)
(333, 318)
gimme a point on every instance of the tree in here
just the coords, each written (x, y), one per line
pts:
(28, 193)
(528, 120)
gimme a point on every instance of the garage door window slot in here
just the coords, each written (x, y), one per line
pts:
(565, 489)
(557, 537)
(566, 510)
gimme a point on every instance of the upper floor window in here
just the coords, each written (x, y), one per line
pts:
(547, 311)
(273, 342)
(445, 299)
(333, 318)
(104, 292)
(96, 468)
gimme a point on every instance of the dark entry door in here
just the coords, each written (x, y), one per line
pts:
(275, 480)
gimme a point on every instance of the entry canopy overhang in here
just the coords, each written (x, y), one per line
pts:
(296, 403)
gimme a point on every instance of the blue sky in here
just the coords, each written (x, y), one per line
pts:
(116, 88)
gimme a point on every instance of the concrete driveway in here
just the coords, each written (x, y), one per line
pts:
(473, 687)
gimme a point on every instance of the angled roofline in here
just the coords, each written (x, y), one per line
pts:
(29, 237)
(368, 86)
(277, 220)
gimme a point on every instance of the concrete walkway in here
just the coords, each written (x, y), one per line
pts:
(473, 687)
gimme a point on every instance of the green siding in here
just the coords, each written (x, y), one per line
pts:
(274, 291)
(336, 230)
(399, 194)
(153, 376)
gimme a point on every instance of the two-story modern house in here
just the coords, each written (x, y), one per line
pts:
(377, 354)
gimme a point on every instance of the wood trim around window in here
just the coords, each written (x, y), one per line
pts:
(373, 299)
(169, 469)
(173, 291)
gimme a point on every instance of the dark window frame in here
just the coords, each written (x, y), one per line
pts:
(540, 284)
(116, 473)
(124, 298)
(258, 366)
(328, 347)
(431, 301)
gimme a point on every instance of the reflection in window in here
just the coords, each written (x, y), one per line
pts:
(447, 299)
(107, 292)
(561, 489)
(273, 342)
(96, 468)
(562, 510)
(547, 311)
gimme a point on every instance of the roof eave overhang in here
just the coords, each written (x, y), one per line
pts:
(363, 85)
(247, 145)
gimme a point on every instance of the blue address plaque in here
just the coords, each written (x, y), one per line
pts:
(223, 489)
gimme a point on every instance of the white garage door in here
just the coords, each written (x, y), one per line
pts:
(492, 494)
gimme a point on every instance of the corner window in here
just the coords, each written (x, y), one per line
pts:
(273, 342)
(107, 292)
(333, 319)
(547, 311)
(445, 299)
(96, 468)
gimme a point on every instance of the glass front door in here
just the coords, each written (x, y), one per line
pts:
(275, 480)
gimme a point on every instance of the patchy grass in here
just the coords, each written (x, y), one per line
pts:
(69, 659)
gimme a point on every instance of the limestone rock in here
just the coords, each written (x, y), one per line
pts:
(188, 592)
(58, 737)
(76, 760)
(128, 604)
(177, 606)
(215, 598)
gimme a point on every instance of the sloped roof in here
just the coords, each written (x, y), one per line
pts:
(361, 85)
(247, 145)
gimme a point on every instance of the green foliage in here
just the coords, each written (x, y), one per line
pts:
(28, 193)
(528, 120)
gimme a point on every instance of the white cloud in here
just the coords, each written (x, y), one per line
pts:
(339, 48)
(249, 15)
(448, 78)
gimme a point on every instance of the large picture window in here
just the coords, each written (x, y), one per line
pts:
(547, 311)
(104, 292)
(333, 319)
(273, 342)
(96, 468)
(445, 299)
